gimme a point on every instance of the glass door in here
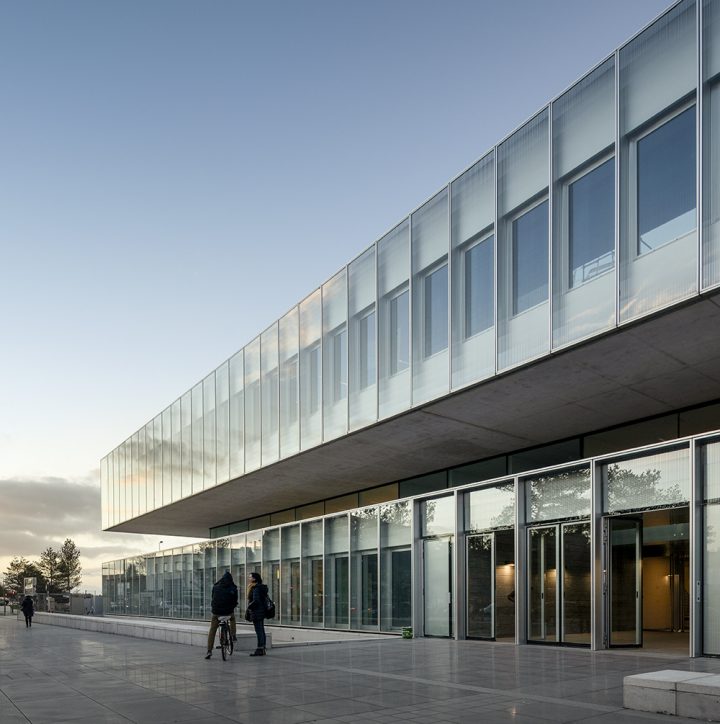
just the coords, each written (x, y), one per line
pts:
(480, 557)
(624, 559)
(437, 585)
(543, 584)
(576, 588)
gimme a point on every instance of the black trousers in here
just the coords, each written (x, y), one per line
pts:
(28, 621)
(259, 625)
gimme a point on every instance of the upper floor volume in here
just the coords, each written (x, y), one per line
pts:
(600, 210)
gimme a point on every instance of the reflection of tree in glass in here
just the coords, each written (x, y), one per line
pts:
(560, 495)
(506, 517)
(627, 489)
(396, 514)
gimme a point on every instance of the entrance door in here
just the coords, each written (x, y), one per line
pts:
(624, 559)
(480, 557)
(543, 588)
(437, 585)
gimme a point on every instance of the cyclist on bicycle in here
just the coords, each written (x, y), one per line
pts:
(224, 601)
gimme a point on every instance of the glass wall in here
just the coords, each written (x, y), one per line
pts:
(584, 207)
(710, 465)
(362, 354)
(523, 227)
(396, 565)
(335, 356)
(472, 201)
(430, 302)
(591, 204)
(289, 383)
(270, 395)
(311, 371)
(253, 406)
(393, 274)
(313, 597)
(337, 572)
(364, 569)
(658, 232)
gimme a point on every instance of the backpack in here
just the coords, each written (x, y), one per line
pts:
(269, 608)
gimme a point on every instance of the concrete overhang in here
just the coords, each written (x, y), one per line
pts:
(659, 364)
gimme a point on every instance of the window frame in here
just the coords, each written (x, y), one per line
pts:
(423, 276)
(633, 138)
(520, 211)
(390, 299)
(339, 385)
(565, 183)
(365, 380)
(462, 250)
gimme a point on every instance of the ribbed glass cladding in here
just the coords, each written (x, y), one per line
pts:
(584, 218)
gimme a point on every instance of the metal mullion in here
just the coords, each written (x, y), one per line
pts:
(618, 160)
(350, 588)
(449, 287)
(302, 575)
(379, 563)
(496, 252)
(550, 228)
(696, 555)
(347, 350)
(699, 143)
(377, 334)
(324, 569)
(411, 312)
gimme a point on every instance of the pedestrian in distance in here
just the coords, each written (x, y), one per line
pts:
(224, 601)
(28, 610)
(257, 595)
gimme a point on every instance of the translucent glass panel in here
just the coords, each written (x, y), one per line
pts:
(395, 566)
(658, 230)
(104, 494)
(558, 495)
(197, 437)
(710, 457)
(364, 569)
(290, 575)
(362, 349)
(584, 207)
(209, 432)
(335, 356)
(711, 143)
(222, 422)
(311, 371)
(473, 273)
(312, 574)
(166, 455)
(270, 395)
(237, 414)
(271, 564)
(175, 451)
(253, 406)
(523, 227)
(158, 463)
(150, 467)
(289, 340)
(647, 482)
(437, 516)
(186, 444)
(337, 573)
(393, 273)
(431, 302)
(490, 508)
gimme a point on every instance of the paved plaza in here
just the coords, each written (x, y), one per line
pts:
(53, 674)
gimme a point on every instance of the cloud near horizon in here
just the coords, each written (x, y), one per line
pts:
(37, 513)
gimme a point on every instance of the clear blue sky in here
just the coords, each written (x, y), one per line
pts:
(175, 175)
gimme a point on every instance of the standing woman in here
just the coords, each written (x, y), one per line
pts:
(256, 596)
(28, 609)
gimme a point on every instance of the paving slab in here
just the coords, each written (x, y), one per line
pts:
(90, 677)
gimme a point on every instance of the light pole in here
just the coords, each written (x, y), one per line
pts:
(160, 544)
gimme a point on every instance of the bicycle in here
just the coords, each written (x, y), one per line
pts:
(226, 640)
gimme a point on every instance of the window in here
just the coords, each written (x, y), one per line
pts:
(530, 258)
(435, 312)
(339, 364)
(366, 340)
(478, 264)
(289, 400)
(666, 182)
(399, 332)
(591, 223)
(315, 378)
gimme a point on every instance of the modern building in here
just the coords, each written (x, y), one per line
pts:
(502, 419)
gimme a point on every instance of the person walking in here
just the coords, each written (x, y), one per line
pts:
(257, 594)
(224, 601)
(28, 609)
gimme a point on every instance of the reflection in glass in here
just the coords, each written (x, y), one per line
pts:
(237, 414)
(312, 573)
(436, 311)
(555, 495)
(529, 258)
(576, 556)
(438, 516)
(270, 394)
(480, 587)
(489, 508)
(271, 566)
(336, 572)
(396, 567)
(289, 384)
(542, 566)
(625, 582)
(364, 571)
(437, 589)
(253, 406)
(290, 575)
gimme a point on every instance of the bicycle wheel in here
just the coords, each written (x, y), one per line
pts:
(225, 642)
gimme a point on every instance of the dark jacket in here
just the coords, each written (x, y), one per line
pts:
(256, 602)
(27, 606)
(224, 596)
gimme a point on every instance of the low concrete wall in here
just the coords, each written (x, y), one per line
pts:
(169, 631)
(691, 694)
